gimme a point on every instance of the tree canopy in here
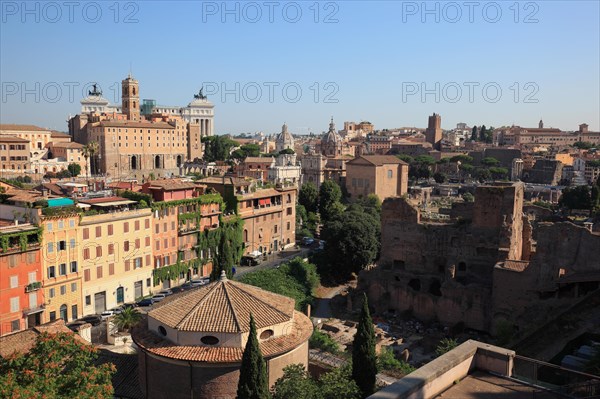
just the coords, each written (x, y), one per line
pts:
(309, 197)
(576, 198)
(217, 148)
(364, 359)
(330, 195)
(58, 366)
(253, 382)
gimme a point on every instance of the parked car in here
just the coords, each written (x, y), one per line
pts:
(249, 260)
(307, 241)
(145, 302)
(128, 305)
(199, 282)
(94, 320)
(158, 297)
(106, 314)
(166, 292)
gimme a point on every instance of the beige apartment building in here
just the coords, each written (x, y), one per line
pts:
(384, 175)
(61, 272)
(131, 144)
(14, 155)
(116, 248)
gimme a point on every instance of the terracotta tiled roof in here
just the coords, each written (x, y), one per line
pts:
(151, 342)
(171, 184)
(23, 128)
(12, 139)
(23, 341)
(224, 306)
(56, 134)
(379, 160)
(51, 187)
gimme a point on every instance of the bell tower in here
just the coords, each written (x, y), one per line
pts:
(130, 96)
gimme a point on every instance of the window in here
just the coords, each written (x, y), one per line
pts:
(148, 260)
(62, 245)
(137, 225)
(14, 281)
(52, 316)
(137, 243)
(289, 211)
(275, 228)
(98, 251)
(73, 287)
(266, 334)
(126, 227)
(13, 260)
(15, 325)
(86, 253)
(86, 275)
(73, 267)
(61, 224)
(111, 269)
(71, 223)
(209, 340)
(289, 226)
(390, 174)
(62, 269)
(147, 241)
(49, 226)
(98, 231)
(137, 263)
(127, 267)
(33, 300)
(63, 289)
(50, 247)
(51, 292)
(110, 229)
(72, 243)
(147, 223)
(166, 243)
(147, 282)
(32, 277)
(111, 249)
(156, 228)
(51, 272)
(86, 233)
(74, 311)
(126, 246)
(88, 300)
(99, 272)
(31, 257)
(157, 244)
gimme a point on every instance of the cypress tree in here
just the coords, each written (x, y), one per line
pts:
(364, 359)
(474, 134)
(253, 382)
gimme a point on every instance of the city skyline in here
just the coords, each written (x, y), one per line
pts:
(392, 64)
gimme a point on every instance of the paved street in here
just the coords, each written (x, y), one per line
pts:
(273, 261)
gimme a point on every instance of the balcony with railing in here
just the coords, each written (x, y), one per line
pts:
(31, 287)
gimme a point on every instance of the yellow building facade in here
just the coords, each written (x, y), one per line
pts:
(61, 267)
(116, 251)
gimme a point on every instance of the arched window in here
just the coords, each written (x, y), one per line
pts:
(266, 334)
(157, 161)
(245, 235)
(63, 312)
(162, 330)
(179, 160)
(209, 340)
(134, 163)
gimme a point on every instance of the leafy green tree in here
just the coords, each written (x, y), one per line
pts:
(483, 174)
(498, 173)
(425, 160)
(217, 148)
(371, 204)
(445, 345)
(490, 161)
(439, 177)
(127, 319)
(356, 235)
(253, 383)
(338, 384)
(583, 145)
(576, 198)
(247, 150)
(287, 151)
(468, 197)
(474, 133)
(463, 159)
(296, 383)
(58, 366)
(482, 133)
(309, 197)
(330, 193)
(323, 341)
(406, 158)
(387, 361)
(364, 360)
(74, 169)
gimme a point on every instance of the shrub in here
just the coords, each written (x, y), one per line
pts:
(323, 341)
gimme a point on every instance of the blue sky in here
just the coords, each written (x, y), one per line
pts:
(392, 63)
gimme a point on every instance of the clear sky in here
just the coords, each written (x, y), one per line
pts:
(391, 63)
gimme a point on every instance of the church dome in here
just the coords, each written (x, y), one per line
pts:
(332, 136)
(284, 139)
